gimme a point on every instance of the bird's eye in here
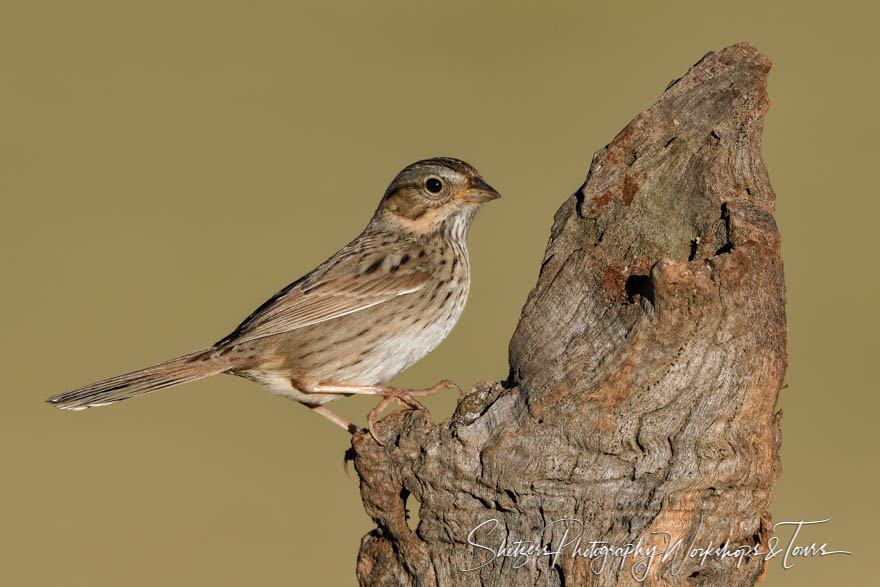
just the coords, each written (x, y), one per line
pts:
(433, 185)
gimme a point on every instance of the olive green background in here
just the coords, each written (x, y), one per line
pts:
(166, 166)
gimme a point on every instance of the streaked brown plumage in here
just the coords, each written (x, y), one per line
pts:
(370, 311)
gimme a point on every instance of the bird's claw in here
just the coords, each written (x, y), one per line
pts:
(347, 458)
(406, 398)
(451, 385)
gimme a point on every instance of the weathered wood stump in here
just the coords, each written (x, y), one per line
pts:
(643, 373)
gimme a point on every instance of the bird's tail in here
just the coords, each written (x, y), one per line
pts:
(196, 365)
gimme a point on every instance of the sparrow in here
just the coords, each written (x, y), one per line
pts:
(350, 325)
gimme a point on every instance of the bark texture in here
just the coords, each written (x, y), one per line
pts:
(643, 373)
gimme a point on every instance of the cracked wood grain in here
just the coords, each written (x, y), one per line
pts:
(643, 373)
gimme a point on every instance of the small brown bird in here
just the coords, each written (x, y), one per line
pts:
(374, 308)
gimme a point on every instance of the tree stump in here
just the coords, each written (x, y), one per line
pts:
(643, 374)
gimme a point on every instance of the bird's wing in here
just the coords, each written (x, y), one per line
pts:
(359, 276)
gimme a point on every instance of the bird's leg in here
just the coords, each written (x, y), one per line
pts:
(374, 413)
(404, 397)
(335, 418)
(384, 390)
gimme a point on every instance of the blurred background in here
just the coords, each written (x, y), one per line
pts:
(167, 166)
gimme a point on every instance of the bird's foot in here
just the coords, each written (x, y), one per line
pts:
(406, 398)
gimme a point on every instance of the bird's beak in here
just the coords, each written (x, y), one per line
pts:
(478, 192)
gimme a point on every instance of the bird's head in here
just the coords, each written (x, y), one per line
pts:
(434, 194)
